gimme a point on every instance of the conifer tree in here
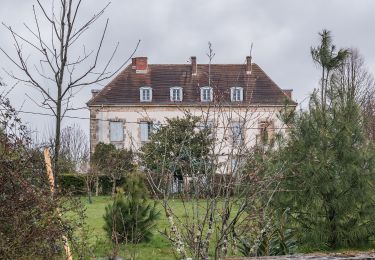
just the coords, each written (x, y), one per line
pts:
(328, 170)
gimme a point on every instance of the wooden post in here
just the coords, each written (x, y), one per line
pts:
(47, 160)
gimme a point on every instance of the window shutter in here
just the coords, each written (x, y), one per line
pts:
(171, 94)
(156, 126)
(237, 132)
(144, 131)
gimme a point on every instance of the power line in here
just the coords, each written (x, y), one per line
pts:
(127, 122)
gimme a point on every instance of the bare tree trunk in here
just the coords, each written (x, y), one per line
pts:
(97, 187)
(113, 187)
(89, 193)
(57, 142)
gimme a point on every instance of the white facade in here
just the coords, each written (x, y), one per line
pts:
(131, 122)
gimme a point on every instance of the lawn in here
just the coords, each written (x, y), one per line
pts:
(158, 248)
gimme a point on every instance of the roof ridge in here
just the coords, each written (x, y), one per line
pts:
(108, 85)
(188, 64)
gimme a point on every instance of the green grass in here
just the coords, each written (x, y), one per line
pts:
(158, 248)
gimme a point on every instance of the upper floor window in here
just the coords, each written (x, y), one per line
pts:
(206, 94)
(116, 131)
(145, 94)
(176, 94)
(236, 94)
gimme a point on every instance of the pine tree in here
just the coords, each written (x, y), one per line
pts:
(131, 218)
(328, 170)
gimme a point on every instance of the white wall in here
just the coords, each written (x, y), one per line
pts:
(249, 117)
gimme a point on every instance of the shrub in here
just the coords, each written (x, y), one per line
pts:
(72, 183)
(75, 184)
(269, 236)
(30, 227)
(131, 218)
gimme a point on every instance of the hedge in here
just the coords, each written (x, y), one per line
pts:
(75, 184)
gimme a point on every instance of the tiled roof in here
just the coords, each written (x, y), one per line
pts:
(258, 88)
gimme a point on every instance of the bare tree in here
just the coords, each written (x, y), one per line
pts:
(62, 62)
(218, 189)
(75, 147)
(353, 81)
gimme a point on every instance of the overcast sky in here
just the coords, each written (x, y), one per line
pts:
(173, 30)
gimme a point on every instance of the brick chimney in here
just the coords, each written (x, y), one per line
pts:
(139, 64)
(193, 65)
(288, 92)
(248, 65)
(94, 92)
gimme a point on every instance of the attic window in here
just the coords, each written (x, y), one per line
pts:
(145, 94)
(206, 94)
(176, 94)
(236, 94)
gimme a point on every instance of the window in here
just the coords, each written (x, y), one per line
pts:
(176, 94)
(206, 94)
(265, 136)
(237, 134)
(206, 125)
(145, 94)
(233, 165)
(116, 131)
(236, 94)
(146, 130)
(207, 128)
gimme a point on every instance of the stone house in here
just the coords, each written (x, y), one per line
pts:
(240, 101)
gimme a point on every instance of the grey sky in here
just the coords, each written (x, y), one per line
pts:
(173, 30)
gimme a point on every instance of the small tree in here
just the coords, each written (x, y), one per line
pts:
(131, 219)
(74, 147)
(113, 162)
(178, 148)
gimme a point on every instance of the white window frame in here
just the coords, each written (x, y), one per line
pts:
(203, 89)
(233, 95)
(172, 92)
(141, 94)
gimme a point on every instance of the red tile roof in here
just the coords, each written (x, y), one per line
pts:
(258, 87)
